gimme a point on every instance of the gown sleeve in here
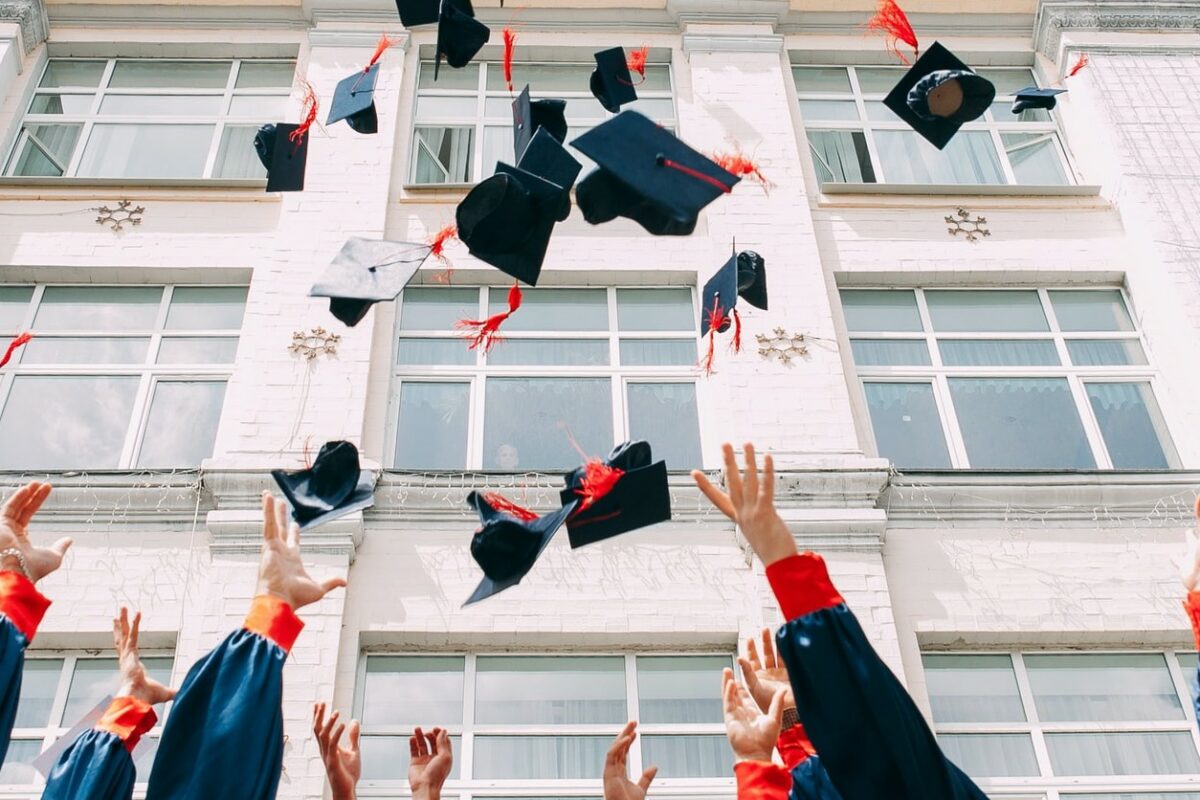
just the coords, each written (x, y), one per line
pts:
(21, 611)
(99, 765)
(761, 780)
(226, 726)
(1192, 606)
(872, 740)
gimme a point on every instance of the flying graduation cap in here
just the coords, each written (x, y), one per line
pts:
(1034, 97)
(365, 272)
(283, 148)
(939, 94)
(623, 493)
(743, 275)
(354, 97)
(459, 35)
(509, 541)
(530, 115)
(332, 487)
(612, 81)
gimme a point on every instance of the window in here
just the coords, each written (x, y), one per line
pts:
(56, 693)
(593, 366)
(1077, 726)
(464, 120)
(116, 377)
(127, 118)
(854, 138)
(541, 724)
(1006, 379)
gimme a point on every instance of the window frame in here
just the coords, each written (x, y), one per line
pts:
(1078, 377)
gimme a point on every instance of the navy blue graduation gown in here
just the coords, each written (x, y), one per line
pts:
(98, 764)
(21, 611)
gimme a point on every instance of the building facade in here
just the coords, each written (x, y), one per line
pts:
(976, 375)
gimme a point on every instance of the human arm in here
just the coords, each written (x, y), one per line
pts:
(343, 765)
(752, 733)
(430, 760)
(617, 785)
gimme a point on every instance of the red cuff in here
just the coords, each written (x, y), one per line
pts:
(793, 745)
(761, 780)
(1192, 607)
(801, 585)
(127, 718)
(274, 619)
(21, 603)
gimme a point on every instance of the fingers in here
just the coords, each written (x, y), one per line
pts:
(355, 730)
(732, 479)
(422, 745)
(132, 641)
(319, 722)
(752, 655)
(775, 712)
(768, 646)
(337, 736)
(15, 504)
(61, 546)
(620, 746)
(768, 489)
(443, 740)
(293, 534)
(714, 495)
(728, 692)
(281, 520)
(331, 584)
(268, 512)
(327, 731)
(118, 639)
(750, 480)
(647, 777)
(413, 750)
(749, 674)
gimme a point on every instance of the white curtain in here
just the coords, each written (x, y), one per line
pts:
(444, 155)
(1166, 753)
(998, 353)
(841, 156)
(969, 158)
(544, 757)
(991, 755)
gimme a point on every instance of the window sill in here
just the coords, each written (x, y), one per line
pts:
(10, 187)
(840, 194)
(435, 192)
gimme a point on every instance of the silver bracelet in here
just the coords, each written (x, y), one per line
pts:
(12, 551)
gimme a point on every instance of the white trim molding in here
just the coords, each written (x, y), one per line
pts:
(1055, 17)
(31, 16)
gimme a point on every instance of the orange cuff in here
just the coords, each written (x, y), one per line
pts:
(272, 618)
(761, 780)
(1192, 607)
(127, 718)
(793, 745)
(21, 603)
(801, 585)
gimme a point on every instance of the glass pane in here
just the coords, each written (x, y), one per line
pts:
(1002, 112)
(61, 103)
(529, 422)
(105, 308)
(822, 110)
(878, 112)
(544, 78)
(465, 78)
(585, 112)
(92, 414)
(84, 350)
(1020, 423)
(146, 151)
(265, 75)
(658, 79)
(159, 668)
(39, 682)
(546, 757)
(659, 109)
(431, 432)
(878, 80)
(970, 158)
(456, 108)
(18, 762)
(1034, 158)
(497, 147)
(198, 350)
(1102, 687)
(435, 309)
(1090, 310)
(880, 310)
(1008, 81)
(413, 690)
(259, 106)
(1131, 423)
(978, 310)
(908, 429)
(658, 352)
(655, 310)
(206, 308)
(432, 352)
(554, 309)
(14, 306)
(821, 80)
(1188, 662)
(688, 756)
(890, 352)
(93, 679)
(541, 690)
(1135, 796)
(683, 689)
(1122, 753)
(549, 352)
(154, 74)
(161, 105)
(236, 157)
(665, 414)
(46, 151)
(841, 156)
(968, 688)
(62, 73)
(168, 440)
(1106, 352)
(385, 758)
(1008, 755)
(998, 352)
(443, 155)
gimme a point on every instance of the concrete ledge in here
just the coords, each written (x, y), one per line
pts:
(238, 532)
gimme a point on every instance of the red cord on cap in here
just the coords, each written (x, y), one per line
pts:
(485, 332)
(686, 170)
(1080, 64)
(893, 22)
(598, 480)
(310, 104)
(506, 506)
(737, 332)
(13, 345)
(510, 43)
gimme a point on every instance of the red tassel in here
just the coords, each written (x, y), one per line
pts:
(707, 362)
(716, 320)
(737, 332)
(13, 345)
(486, 331)
(437, 244)
(598, 480)
(384, 44)
(1080, 64)
(737, 164)
(636, 62)
(510, 43)
(506, 506)
(310, 104)
(893, 22)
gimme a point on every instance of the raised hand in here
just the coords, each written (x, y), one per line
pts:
(751, 505)
(343, 765)
(766, 676)
(134, 680)
(617, 785)
(14, 534)
(430, 761)
(281, 572)
(751, 732)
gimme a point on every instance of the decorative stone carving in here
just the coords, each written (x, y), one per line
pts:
(1056, 16)
(31, 16)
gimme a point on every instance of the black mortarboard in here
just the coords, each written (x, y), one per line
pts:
(1033, 97)
(459, 35)
(284, 159)
(507, 546)
(648, 175)
(546, 158)
(938, 79)
(638, 499)
(530, 115)
(611, 82)
(418, 12)
(365, 272)
(332, 487)
(354, 101)
(744, 275)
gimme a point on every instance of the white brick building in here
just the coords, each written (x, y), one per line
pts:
(1043, 439)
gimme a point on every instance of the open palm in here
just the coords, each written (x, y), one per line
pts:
(134, 680)
(281, 572)
(766, 675)
(343, 765)
(617, 785)
(15, 517)
(751, 732)
(430, 762)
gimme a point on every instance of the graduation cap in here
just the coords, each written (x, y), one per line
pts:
(459, 35)
(354, 101)
(509, 542)
(284, 156)
(418, 12)
(626, 491)
(648, 175)
(611, 81)
(529, 116)
(938, 94)
(365, 272)
(744, 275)
(1033, 97)
(332, 487)
(548, 159)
